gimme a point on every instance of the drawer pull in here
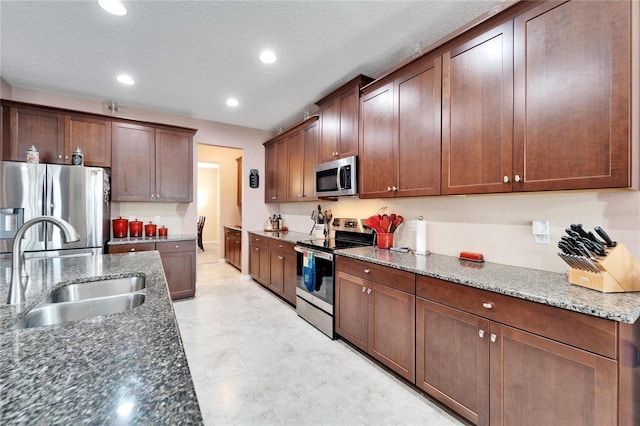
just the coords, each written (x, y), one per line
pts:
(280, 257)
(368, 291)
(366, 271)
(178, 246)
(487, 305)
(280, 245)
(132, 249)
(364, 289)
(481, 334)
(493, 338)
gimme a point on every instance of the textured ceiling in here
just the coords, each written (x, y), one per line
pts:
(187, 57)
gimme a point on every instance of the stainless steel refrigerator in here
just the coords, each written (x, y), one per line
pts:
(79, 195)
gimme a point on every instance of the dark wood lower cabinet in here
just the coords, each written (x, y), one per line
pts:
(272, 263)
(178, 260)
(233, 247)
(377, 318)
(493, 374)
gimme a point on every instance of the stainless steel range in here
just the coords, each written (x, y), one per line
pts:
(315, 270)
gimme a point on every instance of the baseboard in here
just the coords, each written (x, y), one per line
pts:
(244, 277)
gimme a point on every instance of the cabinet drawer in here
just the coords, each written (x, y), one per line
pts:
(587, 332)
(131, 248)
(401, 280)
(281, 246)
(175, 246)
(259, 240)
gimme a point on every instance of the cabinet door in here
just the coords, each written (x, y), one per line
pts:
(276, 164)
(572, 96)
(329, 131)
(537, 381)
(254, 261)
(392, 332)
(418, 114)
(290, 278)
(132, 162)
(44, 129)
(348, 134)
(376, 159)
(310, 135)
(351, 309)
(477, 114)
(295, 150)
(276, 281)
(173, 166)
(92, 135)
(179, 268)
(452, 359)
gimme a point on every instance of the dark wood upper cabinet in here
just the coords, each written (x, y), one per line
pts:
(92, 136)
(25, 126)
(302, 146)
(276, 170)
(572, 96)
(339, 114)
(151, 164)
(400, 133)
(477, 113)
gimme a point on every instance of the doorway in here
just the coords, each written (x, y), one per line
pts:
(217, 197)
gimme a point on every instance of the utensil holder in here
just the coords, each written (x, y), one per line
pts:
(620, 273)
(384, 240)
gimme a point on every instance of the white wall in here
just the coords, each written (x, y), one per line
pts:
(208, 202)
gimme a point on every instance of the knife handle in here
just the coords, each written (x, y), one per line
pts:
(605, 236)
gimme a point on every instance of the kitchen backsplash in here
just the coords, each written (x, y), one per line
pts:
(499, 226)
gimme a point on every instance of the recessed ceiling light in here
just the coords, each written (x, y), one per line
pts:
(113, 6)
(125, 79)
(233, 102)
(268, 57)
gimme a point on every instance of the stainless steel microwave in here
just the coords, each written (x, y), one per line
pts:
(337, 178)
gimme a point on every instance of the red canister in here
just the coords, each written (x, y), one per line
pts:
(150, 230)
(120, 226)
(163, 231)
(135, 228)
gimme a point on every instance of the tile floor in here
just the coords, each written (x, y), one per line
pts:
(254, 361)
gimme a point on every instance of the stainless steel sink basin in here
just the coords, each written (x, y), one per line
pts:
(55, 313)
(95, 289)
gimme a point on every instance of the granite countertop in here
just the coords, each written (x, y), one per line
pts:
(544, 287)
(288, 236)
(234, 227)
(127, 368)
(156, 239)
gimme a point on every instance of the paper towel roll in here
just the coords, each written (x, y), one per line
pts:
(421, 237)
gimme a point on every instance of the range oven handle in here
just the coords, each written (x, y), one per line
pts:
(316, 253)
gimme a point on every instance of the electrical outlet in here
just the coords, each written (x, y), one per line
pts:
(541, 231)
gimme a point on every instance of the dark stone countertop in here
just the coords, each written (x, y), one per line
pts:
(548, 288)
(288, 236)
(156, 239)
(126, 368)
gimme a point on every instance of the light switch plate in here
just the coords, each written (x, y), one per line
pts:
(541, 231)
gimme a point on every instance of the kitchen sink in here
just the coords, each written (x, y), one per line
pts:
(55, 313)
(96, 289)
(84, 300)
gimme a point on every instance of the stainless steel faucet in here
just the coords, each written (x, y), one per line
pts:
(19, 277)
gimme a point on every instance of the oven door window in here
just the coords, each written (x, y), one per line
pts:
(323, 278)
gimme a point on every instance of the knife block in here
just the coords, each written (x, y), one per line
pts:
(620, 273)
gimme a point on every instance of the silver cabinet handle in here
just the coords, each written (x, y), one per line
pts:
(493, 338)
(388, 189)
(481, 334)
(364, 289)
(516, 178)
(66, 157)
(273, 198)
(257, 249)
(368, 291)
(279, 245)
(366, 271)
(60, 157)
(394, 188)
(157, 195)
(177, 246)
(152, 196)
(487, 305)
(505, 179)
(132, 249)
(280, 257)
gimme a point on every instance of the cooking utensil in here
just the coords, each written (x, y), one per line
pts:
(605, 236)
(399, 219)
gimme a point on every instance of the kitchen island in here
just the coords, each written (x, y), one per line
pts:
(126, 368)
